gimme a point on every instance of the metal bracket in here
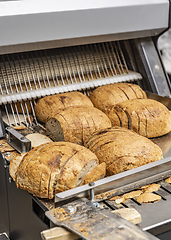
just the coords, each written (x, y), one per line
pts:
(18, 141)
(2, 127)
(4, 236)
(90, 222)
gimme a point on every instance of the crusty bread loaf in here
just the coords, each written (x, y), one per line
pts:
(75, 124)
(47, 107)
(37, 139)
(147, 117)
(52, 167)
(122, 149)
(106, 96)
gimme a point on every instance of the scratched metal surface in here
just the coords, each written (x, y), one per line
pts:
(89, 222)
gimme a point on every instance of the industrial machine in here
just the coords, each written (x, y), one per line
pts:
(60, 46)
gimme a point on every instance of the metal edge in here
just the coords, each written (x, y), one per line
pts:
(32, 94)
(122, 182)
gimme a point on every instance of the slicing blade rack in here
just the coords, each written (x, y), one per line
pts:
(25, 77)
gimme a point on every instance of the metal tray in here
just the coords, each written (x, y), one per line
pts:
(126, 181)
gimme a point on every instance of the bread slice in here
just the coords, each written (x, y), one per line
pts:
(120, 112)
(24, 172)
(127, 90)
(96, 173)
(57, 128)
(24, 163)
(137, 90)
(14, 163)
(5, 147)
(50, 160)
(37, 139)
(99, 136)
(75, 170)
(54, 175)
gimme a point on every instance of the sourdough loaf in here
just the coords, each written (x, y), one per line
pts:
(52, 167)
(47, 107)
(106, 96)
(75, 124)
(147, 117)
(122, 149)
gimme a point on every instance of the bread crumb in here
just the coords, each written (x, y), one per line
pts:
(168, 180)
(120, 200)
(148, 198)
(132, 194)
(114, 198)
(19, 127)
(152, 188)
(5, 147)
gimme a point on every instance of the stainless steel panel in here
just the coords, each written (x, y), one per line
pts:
(4, 211)
(27, 22)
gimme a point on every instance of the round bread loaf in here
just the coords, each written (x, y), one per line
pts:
(147, 117)
(48, 106)
(122, 149)
(52, 167)
(106, 96)
(76, 124)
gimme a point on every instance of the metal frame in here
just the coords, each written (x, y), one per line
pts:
(122, 182)
(28, 76)
(67, 23)
(150, 66)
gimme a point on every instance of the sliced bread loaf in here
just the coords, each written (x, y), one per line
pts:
(53, 167)
(147, 117)
(76, 124)
(122, 149)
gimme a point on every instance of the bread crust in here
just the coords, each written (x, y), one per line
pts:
(123, 150)
(109, 95)
(54, 166)
(82, 122)
(48, 106)
(147, 117)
